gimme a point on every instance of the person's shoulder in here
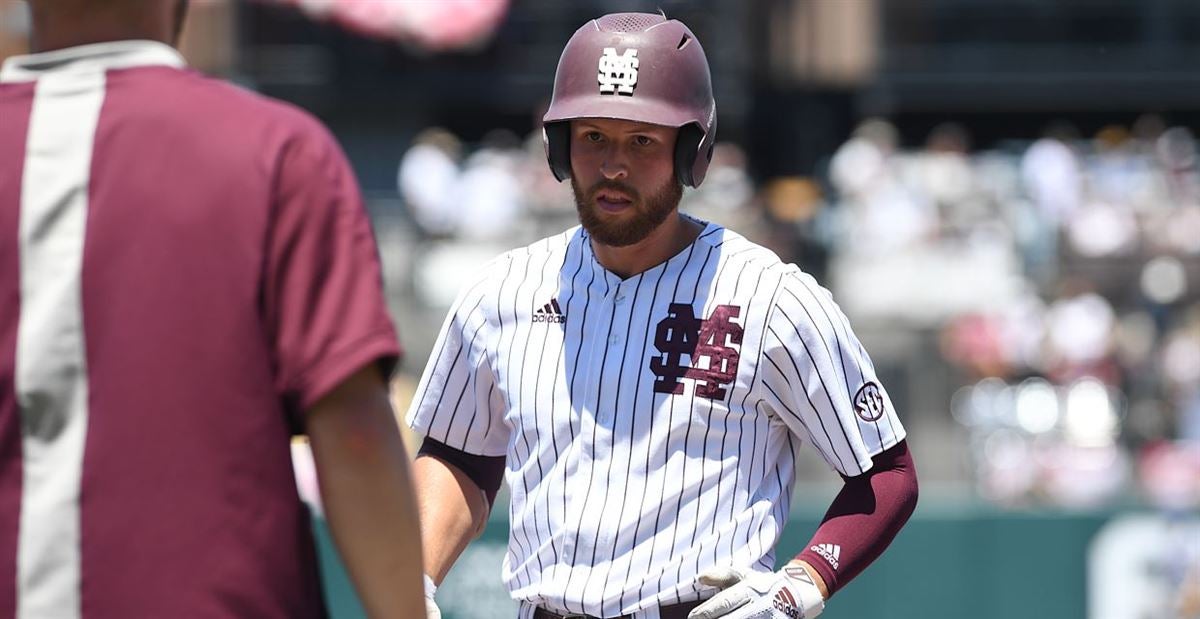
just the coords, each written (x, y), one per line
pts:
(218, 101)
(482, 290)
(543, 249)
(753, 259)
(555, 244)
(523, 262)
(739, 251)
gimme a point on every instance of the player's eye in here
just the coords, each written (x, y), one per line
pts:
(643, 140)
(593, 137)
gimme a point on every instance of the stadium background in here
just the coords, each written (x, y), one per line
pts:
(1004, 196)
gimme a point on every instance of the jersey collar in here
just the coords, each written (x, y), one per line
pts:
(90, 58)
(707, 236)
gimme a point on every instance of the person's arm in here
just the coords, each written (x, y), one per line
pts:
(453, 510)
(862, 520)
(363, 472)
(818, 375)
(455, 491)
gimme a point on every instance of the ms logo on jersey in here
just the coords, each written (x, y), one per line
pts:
(618, 74)
(708, 344)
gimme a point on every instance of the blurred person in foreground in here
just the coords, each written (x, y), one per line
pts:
(645, 379)
(189, 278)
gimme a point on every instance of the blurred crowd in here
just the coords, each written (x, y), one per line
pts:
(1074, 320)
(1060, 278)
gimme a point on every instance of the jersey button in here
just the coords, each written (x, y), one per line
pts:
(620, 299)
(614, 339)
(604, 418)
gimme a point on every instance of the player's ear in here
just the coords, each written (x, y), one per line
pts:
(556, 137)
(687, 149)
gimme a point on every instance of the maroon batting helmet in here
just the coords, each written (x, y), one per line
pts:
(635, 66)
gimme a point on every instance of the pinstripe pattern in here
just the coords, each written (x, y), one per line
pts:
(621, 495)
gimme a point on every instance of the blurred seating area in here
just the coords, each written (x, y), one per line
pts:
(1061, 277)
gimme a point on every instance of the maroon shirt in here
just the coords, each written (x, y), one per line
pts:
(229, 279)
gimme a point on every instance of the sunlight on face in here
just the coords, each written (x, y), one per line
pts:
(623, 176)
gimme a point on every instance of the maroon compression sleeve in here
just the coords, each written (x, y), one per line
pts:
(864, 518)
(486, 471)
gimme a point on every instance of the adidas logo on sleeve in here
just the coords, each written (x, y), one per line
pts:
(831, 552)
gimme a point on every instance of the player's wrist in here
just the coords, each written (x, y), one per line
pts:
(817, 577)
(802, 582)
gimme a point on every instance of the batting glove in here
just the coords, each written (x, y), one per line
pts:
(431, 608)
(789, 593)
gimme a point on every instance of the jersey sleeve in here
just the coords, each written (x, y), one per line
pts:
(456, 401)
(323, 301)
(819, 380)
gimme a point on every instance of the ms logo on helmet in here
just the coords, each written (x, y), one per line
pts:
(618, 73)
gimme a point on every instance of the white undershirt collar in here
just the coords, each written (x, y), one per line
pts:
(90, 58)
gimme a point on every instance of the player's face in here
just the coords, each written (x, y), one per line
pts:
(623, 175)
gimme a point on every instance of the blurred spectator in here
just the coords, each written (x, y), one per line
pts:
(1176, 152)
(1181, 370)
(885, 214)
(727, 188)
(861, 163)
(1052, 176)
(428, 173)
(793, 223)
(544, 195)
(1170, 475)
(1007, 343)
(1126, 203)
(489, 197)
(1080, 325)
(944, 172)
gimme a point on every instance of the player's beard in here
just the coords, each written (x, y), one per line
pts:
(647, 214)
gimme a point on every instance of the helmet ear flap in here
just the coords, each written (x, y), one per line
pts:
(687, 145)
(556, 137)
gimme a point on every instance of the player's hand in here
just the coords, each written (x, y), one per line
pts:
(431, 608)
(789, 593)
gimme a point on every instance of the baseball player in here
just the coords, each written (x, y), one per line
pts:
(644, 381)
(187, 278)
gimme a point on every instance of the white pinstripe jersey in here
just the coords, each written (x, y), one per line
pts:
(650, 424)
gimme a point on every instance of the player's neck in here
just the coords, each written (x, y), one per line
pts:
(53, 30)
(668, 239)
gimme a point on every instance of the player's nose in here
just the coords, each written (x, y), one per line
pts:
(615, 165)
(614, 170)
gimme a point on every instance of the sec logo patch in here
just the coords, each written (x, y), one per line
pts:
(868, 402)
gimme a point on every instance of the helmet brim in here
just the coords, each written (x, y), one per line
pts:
(617, 107)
